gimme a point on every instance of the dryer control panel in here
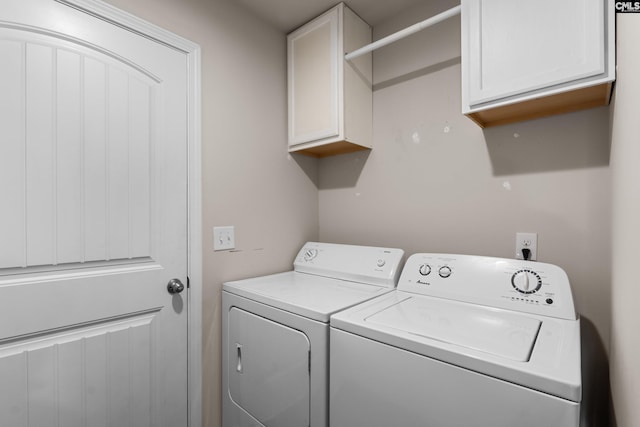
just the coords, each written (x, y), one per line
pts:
(362, 264)
(526, 286)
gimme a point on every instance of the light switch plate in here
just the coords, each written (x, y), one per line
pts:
(224, 238)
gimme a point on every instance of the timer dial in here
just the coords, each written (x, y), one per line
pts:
(526, 281)
(424, 269)
(310, 254)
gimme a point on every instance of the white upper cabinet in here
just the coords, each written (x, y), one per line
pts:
(330, 99)
(528, 59)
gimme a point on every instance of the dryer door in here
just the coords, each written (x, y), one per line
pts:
(268, 369)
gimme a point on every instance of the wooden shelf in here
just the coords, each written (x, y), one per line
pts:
(566, 102)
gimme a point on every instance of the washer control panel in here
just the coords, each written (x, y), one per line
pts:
(526, 286)
(363, 264)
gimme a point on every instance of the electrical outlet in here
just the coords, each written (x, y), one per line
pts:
(527, 241)
(224, 238)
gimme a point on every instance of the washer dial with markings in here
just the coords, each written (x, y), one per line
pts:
(526, 281)
(424, 269)
(310, 254)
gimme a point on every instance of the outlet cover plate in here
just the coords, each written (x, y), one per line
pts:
(527, 241)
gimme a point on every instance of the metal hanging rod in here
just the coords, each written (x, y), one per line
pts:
(403, 33)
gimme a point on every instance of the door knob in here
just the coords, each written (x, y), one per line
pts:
(175, 286)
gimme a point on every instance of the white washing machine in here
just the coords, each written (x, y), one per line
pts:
(463, 341)
(275, 332)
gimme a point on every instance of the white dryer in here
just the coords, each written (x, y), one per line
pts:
(275, 332)
(463, 341)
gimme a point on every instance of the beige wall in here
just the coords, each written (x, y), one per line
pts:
(248, 179)
(436, 182)
(625, 155)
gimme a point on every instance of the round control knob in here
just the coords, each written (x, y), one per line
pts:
(381, 262)
(310, 254)
(424, 269)
(526, 281)
(445, 271)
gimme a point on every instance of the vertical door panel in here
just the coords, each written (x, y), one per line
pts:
(13, 399)
(95, 379)
(12, 170)
(70, 377)
(139, 186)
(41, 386)
(118, 164)
(39, 140)
(95, 162)
(68, 176)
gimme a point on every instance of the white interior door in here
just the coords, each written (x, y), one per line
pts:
(93, 225)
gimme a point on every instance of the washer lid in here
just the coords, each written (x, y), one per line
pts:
(504, 334)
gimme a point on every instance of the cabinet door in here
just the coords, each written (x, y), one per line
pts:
(313, 80)
(520, 46)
